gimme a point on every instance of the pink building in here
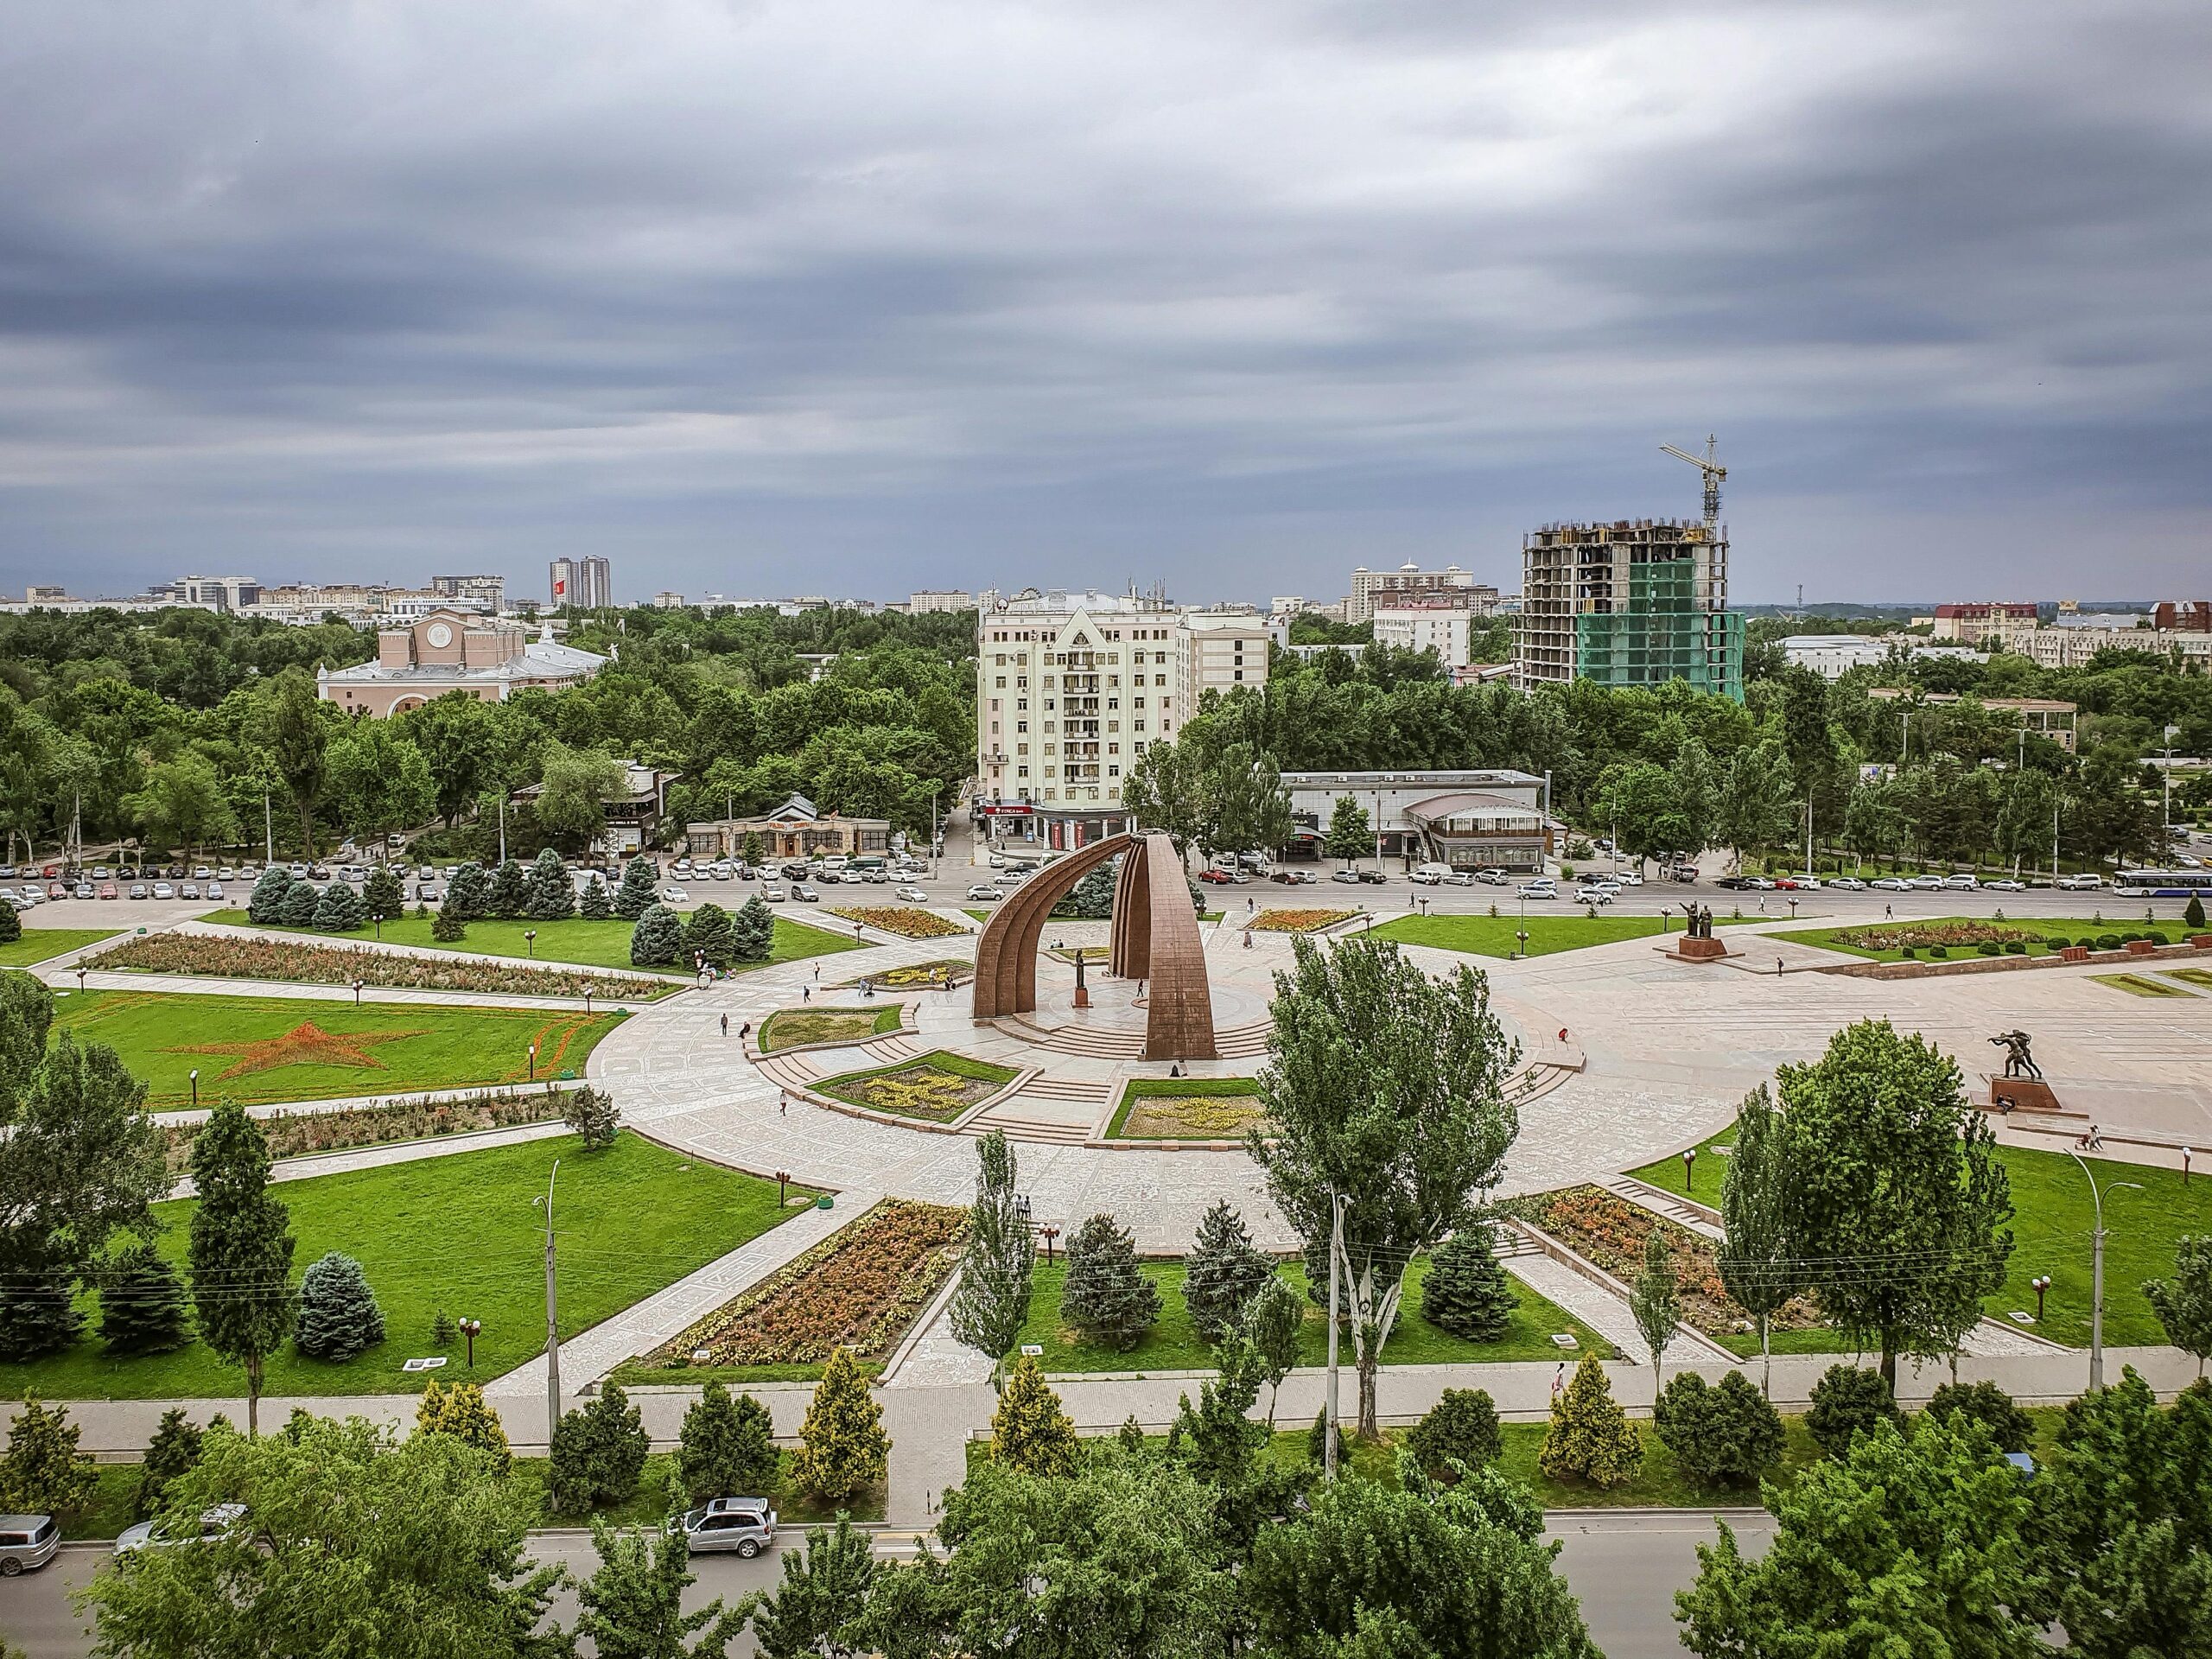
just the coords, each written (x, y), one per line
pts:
(451, 650)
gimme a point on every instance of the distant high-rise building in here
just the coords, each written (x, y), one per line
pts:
(1628, 603)
(587, 584)
(489, 592)
(939, 599)
(223, 593)
(1372, 588)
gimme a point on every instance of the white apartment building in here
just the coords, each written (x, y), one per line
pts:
(1370, 589)
(1070, 689)
(1831, 656)
(1432, 626)
(939, 599)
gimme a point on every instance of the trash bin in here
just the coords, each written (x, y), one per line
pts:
(825, 1202)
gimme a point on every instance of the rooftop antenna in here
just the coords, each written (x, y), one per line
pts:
(1709, 464)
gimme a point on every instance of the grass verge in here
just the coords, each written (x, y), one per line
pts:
(38, 944)
(790, 1027)
(1493, 936)
(936, 1086)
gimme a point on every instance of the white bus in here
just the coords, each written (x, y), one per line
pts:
(2163, 884)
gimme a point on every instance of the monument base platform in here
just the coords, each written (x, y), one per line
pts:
(1696, 949)
(2022, 1095)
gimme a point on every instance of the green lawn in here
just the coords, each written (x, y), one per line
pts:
(2140, 985)
(38, 943)
(2051, 1223)
(1199, 1124)
(598, 944)
(1492, 936)
(1173, 1345)
(258, 1049)
(460, 1233)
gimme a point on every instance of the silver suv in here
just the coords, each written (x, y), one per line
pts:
(27, 1540)
(747, 1525)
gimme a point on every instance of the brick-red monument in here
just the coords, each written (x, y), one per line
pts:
(1156, 937)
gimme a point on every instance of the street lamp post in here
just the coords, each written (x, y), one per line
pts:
(783, 1181)
(469, 1328)
(2097, 1268)
(1049, 1233)
(2040, 1284)
(1522, 934)
(80, 978)
(376, 918)
(358, 983)
(530, 942)
(1689, 1160)
(195, 1088)
(533, 1062)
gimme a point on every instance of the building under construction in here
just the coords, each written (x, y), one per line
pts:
(1636, 602)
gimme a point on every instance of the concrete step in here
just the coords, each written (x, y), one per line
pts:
(1069, 1087)
(1662, 1202)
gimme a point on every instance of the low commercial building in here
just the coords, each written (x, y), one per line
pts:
(1468, 819)
(1834, 655)
(797, 828)
(448, 651)
(633, 811)
(2043, 716)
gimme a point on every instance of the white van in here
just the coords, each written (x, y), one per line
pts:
(1430, 875)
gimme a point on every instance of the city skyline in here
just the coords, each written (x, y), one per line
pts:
(854, 301)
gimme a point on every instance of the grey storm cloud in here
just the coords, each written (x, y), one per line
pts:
(855, 297)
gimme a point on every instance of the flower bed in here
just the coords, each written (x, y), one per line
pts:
(795, 1027)
(1296, 921)
(937, 1088)
(293, 1135)
(919, 976)
(862, 1287)
(1186, 1108)
(249, 958)
(1610, 1232)
(907, 921)
(1919, 936)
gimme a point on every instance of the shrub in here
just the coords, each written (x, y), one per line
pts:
(1987, 949)
(142, 1304)
(1223, 1272)
(1724, 1434)
(11, 924)
(728, 1447)
(2108, 942)
(1909, 950)
(448, 928)
(1466, 1292)
(594, 1117)
(658, 939)
(1846, 1400)
(1106, 1295)
(1316, 1441)
(1939, 950)
(1986, 1403)
(42, 1473)
(1460, 1427)
(1590, 1438)
(842, 1448)
(338, 1317)
(1030, 1432)
(2192, 913)
(174, 1450)
(460, 1410)
(2016, 949)
(2157, 938)
(598, 1454)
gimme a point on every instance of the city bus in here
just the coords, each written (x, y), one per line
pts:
(2163, 884)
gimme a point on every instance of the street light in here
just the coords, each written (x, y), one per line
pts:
(530, 942)
(469, 1328)
(358, 983)
(533, 1062)
(377, 917)
(1689, 1158)
(1051, 1233)
(2039, 1284)
(2185, 1165)
(80, 976)
(2097, 1269)
(195, 1088)
(782, 1181)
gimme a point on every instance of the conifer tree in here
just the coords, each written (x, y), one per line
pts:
(594, 1115)
(297, 907)
(339, 910)
(2192, 915)
(174, 1450)
(1460, 1427)
(640, 890)
(460, 1410)
(1106, 1295)
(11, 924)
(728, 1446)
(38, 1299)
(708, 935)
(382, 894)
(509, 900)
(42, 1473)
(1030, 1432)
(142, 1304)
(752, 931)
(338, 1317)
(1466, 1291)
(1316, 1442)
(240, 1256)
(1222, 1273)
(1590, 1438)
(551, 896)
(1848, 1401)
(598, 1454)
(448, 926)
(468, 896)
(1723, 1433)
(266, 904)
(658, 939)
(598, 905)
(842, 1448)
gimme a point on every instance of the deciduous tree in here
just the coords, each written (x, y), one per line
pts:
(1757, 1257)
(1657, 1301)
(991, 1305)
(2183, 1300)
(1727, 1433)
(240, 1256)
(816, 1610)
(633, 1604)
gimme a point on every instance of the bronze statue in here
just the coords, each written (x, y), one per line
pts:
(2018, 1063)
(1699, 922)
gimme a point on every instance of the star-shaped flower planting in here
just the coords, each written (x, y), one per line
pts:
(305, 1043)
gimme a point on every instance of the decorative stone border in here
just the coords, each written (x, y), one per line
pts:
(909, 1022)
(955, 1126)
(1567, 1256)
(2065, 956)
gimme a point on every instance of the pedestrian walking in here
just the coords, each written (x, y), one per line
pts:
(1777, 966)
(725, 1025)
(806, 993)
(1887, 912)
(744, 1030)
(1559, 1382)
(782, 1105)
(817, 973)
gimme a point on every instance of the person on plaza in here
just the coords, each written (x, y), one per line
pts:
(744, 1030)
(725, 1025)
(1559, 1382)
(806, 993)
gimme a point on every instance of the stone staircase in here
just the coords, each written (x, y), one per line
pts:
(1660, 1202)
(1036, 1121)
(1093, 1090)
(893, 1047)
(786, 1070)
(1230, 1043)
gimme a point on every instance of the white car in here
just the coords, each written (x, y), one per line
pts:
(1961, 883)
(223, 1519)
(2079, 883)
(1591, 895)
(1924, 883)
(744, 1526)
(1848, 884)
(163, 890)
(1539, 890)
(1460, 878)
(773, 894)
(983, 893)
(912, 896)
(1806, 883)
(673, 895)
(1890, 884)
(2008, 885)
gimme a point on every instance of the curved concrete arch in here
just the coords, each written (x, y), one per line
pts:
(1005, 955)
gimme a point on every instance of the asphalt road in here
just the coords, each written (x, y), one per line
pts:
(1624, 1567)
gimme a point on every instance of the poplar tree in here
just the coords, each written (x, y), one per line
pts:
(992, 1303)
(240, 1256)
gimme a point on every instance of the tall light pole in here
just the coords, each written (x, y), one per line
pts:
(552, 1322)
(2097, 1268)
(1335, 1252)
(2166, 822)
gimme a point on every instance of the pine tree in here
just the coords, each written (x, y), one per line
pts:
(448, 927)
(752, 931)
(1727, 1433)
(382, 894)
(991, 1303)
(842, 1448)
(298, 905)
(468, 895)
(708, 935)
(728, 1447)
(1031, 1432)
(658, 939)
(38, 1299)
(42, 1473)
(460, 1410)
(174, 1450)
(1222, 1273)
(11, 923)
(592, 1115)
(338, 1317)
(1590, 1438)
(240, 1256)
(1466, 1292)
(510, 895)
(639, 891)
(551, 895)
(267, 903)
(1106, 1295)
(598, 904)
(597, 1455)
(1460, 1427)
(339, 910)
(142, 1304)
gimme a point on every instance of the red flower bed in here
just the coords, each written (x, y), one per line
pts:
(250, 957)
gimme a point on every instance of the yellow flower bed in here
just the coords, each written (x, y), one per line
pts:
(1297, 921)
(908, 921)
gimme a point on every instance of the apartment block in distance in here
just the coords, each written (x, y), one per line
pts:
(1634, 602)
(1436, 623)
(587, 584)
(1070, 689)
(1371, 589)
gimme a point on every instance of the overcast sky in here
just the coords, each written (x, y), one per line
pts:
(860, 296)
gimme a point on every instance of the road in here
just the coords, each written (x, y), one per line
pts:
(1624, 1567)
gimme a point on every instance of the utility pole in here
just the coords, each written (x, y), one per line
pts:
(2166, 821)
(552, 1322)
(1336, 1254)
(2097, 1270)
(268, 829)
(503, 826)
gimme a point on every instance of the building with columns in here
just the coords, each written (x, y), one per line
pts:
(451, 650)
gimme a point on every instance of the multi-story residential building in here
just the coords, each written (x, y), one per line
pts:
(488, 594)
(1973, 623)
(2182, 616)
(1634, 602)
(2075, 647)
(665, 600)
(587, 584)
(1834, 655)
(1071, 688)
(215, 593)
(939, 599)
(1435, 623)
(1372, 588)
(2043, 716)
(448, 650)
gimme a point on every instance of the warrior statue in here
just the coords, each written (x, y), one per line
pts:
(2018, 1063)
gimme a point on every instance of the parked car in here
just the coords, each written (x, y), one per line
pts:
(1733, 883)
(773, 894)
(1592, 895)
(55, 889)
(1294, 878)
(108, 890)
(1848, 884)
(1890, 884)
(1544, 888)
(189, 890)
(201, 872)
(673, 895)
(27, 1541)
(1460, 878)
(1961, 883)
(1491, 875)
(213, 890)
(2086, 883)
(745, 1526)
(982, 893)
(2008, 885)
(138, 889)
(224, 1518)
(1429, 875)
(1344, 875)
(163, 890)
(1925, 883)
(806, 894)
(796, 871)
(1374, 877)
(912, 896)
(1218, 876)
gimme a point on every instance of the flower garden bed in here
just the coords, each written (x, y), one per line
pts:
(907, 921)
(1296, 921)
(937, 1088)
(938, 975)
(1186, 1109)
(1610, 1232)
(801, 1027)
(2140, 985)
(249, 958)
(862, 1287)
(295, 1135)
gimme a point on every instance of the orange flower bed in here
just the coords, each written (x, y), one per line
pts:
(907, 921)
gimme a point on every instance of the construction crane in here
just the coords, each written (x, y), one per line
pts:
(1709, 464)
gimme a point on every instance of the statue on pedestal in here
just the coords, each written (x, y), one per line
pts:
(2018, 1063)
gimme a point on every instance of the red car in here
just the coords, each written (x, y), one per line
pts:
(1213, 875)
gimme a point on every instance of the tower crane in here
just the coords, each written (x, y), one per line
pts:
(1709, 464)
